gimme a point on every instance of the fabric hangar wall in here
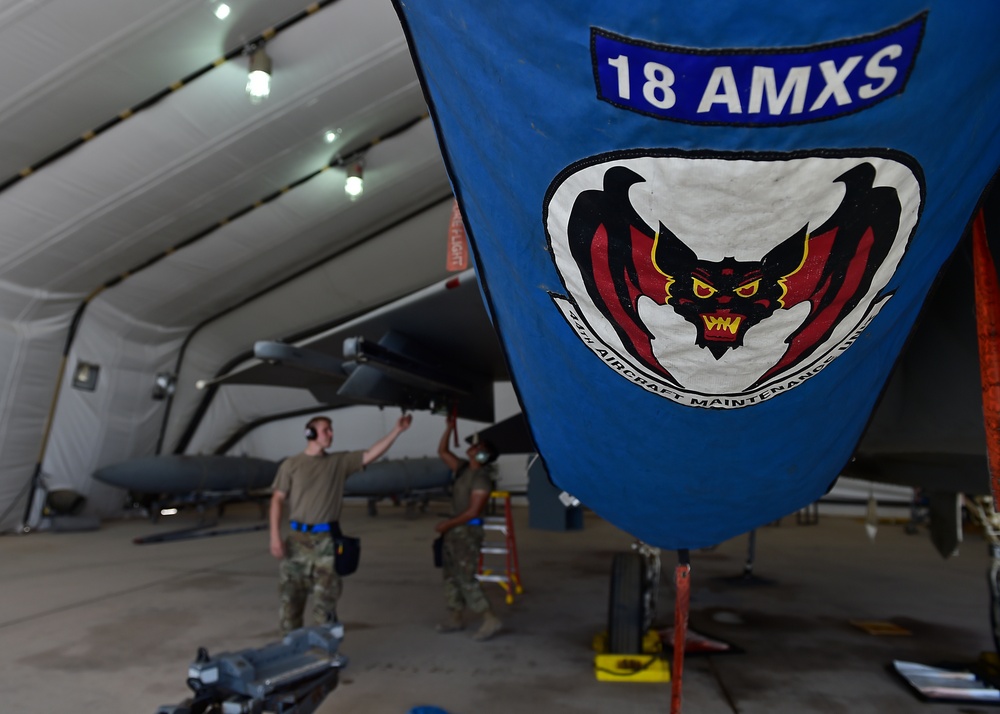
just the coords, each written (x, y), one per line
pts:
(154, 220)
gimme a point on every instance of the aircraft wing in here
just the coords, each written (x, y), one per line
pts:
(705, 238)
(435, 348)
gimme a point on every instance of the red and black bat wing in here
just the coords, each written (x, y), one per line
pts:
(844, 254)
(613, 248)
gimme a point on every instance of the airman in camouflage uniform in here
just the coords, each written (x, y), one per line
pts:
(313, 485)
(462, 536)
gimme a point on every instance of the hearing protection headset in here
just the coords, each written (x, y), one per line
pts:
(482, 457)
(311, 433)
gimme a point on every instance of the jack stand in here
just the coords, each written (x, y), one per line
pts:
(747, 577)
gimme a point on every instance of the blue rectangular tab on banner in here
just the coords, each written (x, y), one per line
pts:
(763, 86)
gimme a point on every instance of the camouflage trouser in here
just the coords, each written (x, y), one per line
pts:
(460, 555)
(307, 568)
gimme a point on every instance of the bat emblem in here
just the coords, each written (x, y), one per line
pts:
(720, 280)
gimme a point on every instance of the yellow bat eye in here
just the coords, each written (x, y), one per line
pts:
(748, 290)
(703, 290)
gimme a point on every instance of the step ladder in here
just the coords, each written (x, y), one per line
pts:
(504, 544)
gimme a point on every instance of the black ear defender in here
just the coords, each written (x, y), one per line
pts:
(482, 457)
(311, 432)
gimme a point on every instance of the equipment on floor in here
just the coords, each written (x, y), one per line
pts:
(510, 578)
(974, 682)
(631, 668)
(202, 530)
(648, 664)
(293, 676)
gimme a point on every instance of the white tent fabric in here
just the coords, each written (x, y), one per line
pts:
(119, 419)
(31, 340)
(152, 219)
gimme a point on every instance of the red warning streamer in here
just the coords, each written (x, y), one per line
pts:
(458, 244)
(987, 324)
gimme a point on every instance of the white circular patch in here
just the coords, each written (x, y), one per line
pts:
(725, 207)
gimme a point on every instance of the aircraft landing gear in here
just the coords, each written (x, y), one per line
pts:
(994, 582)
(982, 508)
(635, 581)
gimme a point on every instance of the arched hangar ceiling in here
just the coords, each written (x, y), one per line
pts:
(142, 193)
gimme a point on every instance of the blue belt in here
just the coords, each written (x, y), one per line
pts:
(474, 522)
(318, 528)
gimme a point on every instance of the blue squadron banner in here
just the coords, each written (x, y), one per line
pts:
(705, 234)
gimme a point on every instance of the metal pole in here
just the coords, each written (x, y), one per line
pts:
(682, 579)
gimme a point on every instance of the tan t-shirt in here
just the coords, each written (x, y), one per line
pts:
(466, 481)
(314, 485)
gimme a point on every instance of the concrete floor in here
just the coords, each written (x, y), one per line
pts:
(91, 622)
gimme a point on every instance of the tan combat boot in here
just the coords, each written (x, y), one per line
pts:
(452, 624)
(491, 625)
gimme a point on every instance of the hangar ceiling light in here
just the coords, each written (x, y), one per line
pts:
(354, 185)
(259, 78)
